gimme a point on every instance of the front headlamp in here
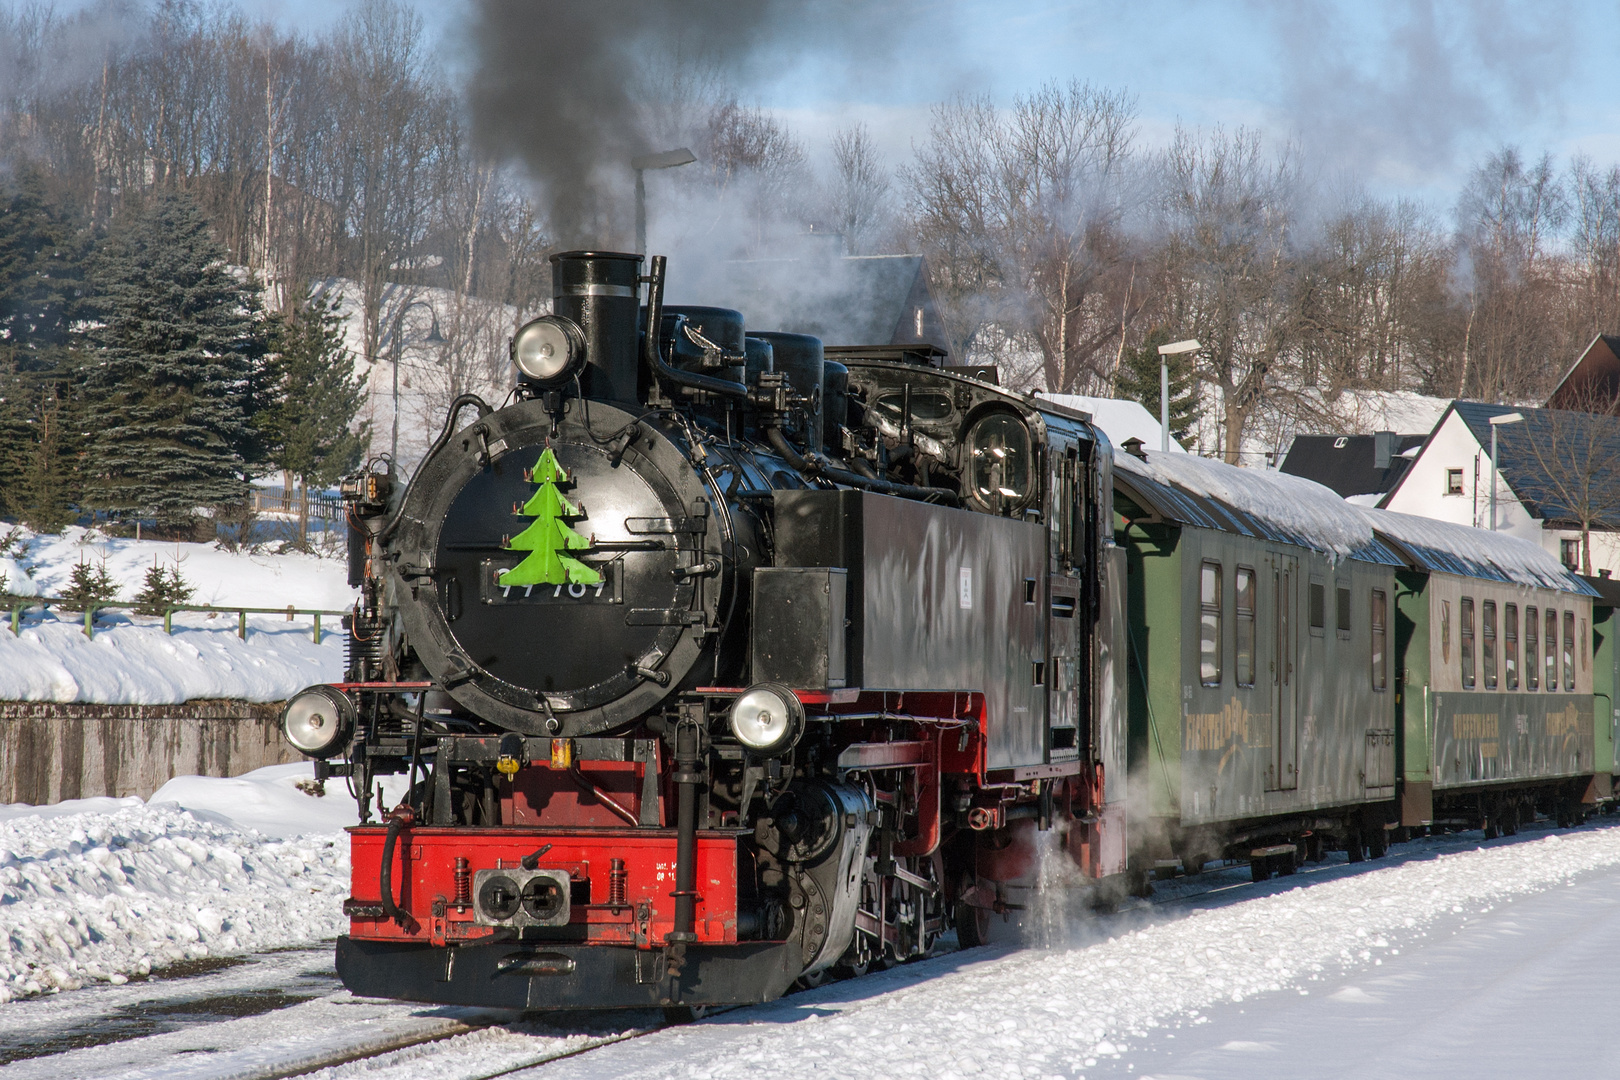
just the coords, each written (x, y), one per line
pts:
(318, 721)
(767, 719)
(548, 350)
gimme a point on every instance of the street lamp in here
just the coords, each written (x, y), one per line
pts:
(1496, 422)
(1165, 353)
(669, 159)
(433, 338)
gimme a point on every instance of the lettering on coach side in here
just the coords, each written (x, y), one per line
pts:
(1475, 726)
(1233, 725)
(1565, 722)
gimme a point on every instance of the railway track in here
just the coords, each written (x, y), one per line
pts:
(281, 1015)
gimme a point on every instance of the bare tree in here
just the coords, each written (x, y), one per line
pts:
(1021, 215)
(857, 199)
(1229, 267)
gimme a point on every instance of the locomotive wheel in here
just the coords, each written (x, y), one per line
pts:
(972, 925)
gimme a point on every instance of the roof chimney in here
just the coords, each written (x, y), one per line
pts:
(1133, 447)
(1384, 443)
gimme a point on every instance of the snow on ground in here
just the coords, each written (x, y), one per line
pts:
(102, 889)
(132, 661)
(1062, 1012)
(45, 562)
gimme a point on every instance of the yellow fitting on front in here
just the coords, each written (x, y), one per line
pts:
(562, 753)
(506, 766)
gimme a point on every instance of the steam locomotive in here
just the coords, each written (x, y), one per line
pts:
(714, 664)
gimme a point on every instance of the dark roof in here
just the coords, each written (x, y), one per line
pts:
(1545, 458)
(855, 300)
(1607, 589)
(1593, 379)
(1349, 463)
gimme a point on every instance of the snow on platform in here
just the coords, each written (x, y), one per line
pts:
(1068, 1012)
(102, 889)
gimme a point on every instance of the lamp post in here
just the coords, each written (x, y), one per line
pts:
(1496, 422)
(1175, 348)
(433, 338)
(669, 159)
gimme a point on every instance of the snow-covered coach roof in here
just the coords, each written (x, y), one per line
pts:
(1190, 490)
(1274, 506)
(1479, 553)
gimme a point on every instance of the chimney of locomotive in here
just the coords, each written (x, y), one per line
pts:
(597, 290)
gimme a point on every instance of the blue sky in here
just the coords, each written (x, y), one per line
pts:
(1403, 95)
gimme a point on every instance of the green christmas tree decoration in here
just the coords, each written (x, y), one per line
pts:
(549, 536)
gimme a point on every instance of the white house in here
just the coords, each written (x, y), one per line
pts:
(1450, 477)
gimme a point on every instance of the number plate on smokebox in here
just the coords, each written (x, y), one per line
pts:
(490, 591)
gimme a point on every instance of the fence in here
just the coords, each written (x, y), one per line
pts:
(91, 608)
(322, 507)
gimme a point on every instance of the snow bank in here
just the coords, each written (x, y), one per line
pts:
(1034, 1014)
(131, 661)
(1476, 551)
(102, 889)
(1299, 507)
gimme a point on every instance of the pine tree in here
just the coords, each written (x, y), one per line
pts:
(89, 584)
(1139, 381)
(181, 347)
(161, 589)
(315, 395)
(548, 536)
(42, 254)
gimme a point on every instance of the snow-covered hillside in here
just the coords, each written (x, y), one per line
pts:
(131, 660)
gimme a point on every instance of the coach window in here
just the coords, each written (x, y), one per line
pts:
(999, 468)
(1550, 642)
(1510, 645)
(1488, 645)
(1569, 650)
(1209, 624)
(1243, 584)
(1380, 656)
(1343, 620)
(1465, 616)
(1532, 659)
(1318, 608)
(1445, 631)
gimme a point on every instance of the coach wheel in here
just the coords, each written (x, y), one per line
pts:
(1353, 846)
(1314, 848)
(1260, 868)
(1489, 828)
(1377, 842)
(1510, 819)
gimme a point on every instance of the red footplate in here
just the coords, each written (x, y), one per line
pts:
(621, 883)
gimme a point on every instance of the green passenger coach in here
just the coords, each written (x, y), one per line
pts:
(1307, 675)
(1496, 713)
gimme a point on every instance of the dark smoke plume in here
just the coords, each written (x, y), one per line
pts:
(563, 85)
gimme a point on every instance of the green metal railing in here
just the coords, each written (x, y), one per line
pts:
(47, 602)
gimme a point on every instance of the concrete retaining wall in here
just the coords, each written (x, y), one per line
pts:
(50, 752)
